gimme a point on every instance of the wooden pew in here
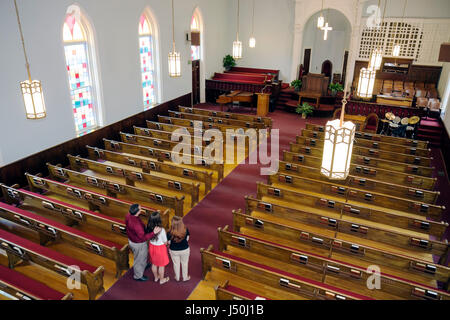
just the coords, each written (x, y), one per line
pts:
(303, 287)
(357, 160)
(204, 125)
(379, 154)
(378, 233)
(23, 288)
(95, 201)
(52, 231)
(162, 155)
(166, 135)
(364, 183)
(345, 249)
(363, 171)
(398, 219)
(229, 292)
(113, 189)
(163, 144)
(19, 249)
(352, 195)
(230, 122)
(228, 115)
(304, 139)
(72, 214)
(377, 137)
(148, 166)
(130, 177)
(322, 204)
(355, 276)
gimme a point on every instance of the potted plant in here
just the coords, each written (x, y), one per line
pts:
(297, 84)
(304, 109)
(335, 88)
(228, 62)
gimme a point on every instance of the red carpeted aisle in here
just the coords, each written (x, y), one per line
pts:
(212, 212)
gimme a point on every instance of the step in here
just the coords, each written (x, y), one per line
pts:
(430, 131)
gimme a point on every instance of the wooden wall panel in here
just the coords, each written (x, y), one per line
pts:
(14, 172)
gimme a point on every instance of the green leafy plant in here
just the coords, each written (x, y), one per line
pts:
(297, 84)
(304, 109)
(336, 87)
(228, 62)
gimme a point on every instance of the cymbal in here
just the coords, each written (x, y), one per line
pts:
(414, 120)
(397, 119)
(405, 121)
(390, 116)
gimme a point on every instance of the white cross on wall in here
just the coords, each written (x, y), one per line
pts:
(326, 29)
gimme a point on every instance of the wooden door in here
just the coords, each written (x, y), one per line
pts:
(327, 68)
(306, 60)
(196, 81)
(344, 68)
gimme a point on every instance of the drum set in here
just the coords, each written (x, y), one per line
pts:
(395, 126)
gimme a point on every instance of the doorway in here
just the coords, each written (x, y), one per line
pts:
(327, 68)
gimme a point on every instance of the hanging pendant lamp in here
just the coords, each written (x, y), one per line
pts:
(252, 40)
(33, 96)
(321, 19)
(237, 45)
(174, 56)
(397, 46)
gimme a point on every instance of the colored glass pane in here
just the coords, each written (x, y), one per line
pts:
(80, 86)
(147, 71)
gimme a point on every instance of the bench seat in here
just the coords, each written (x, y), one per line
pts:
(27, 288)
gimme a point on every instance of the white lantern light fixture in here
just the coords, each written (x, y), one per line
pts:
(32, 93)
(366, 83)
(375, 59)
(237, 45)
(174, 57)
(321, 19)
(396, 51)
(338, 146)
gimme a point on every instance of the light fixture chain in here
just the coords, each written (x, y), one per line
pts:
(237, 31)
(23, 42)
(253, 18)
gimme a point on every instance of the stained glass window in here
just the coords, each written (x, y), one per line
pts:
(147, 62)
(195, 27)
(78, 70)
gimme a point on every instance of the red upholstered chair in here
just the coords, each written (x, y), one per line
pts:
(422, 102)
(371, 124)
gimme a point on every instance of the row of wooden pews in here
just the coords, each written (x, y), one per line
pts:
(307, 237)
(68, 227)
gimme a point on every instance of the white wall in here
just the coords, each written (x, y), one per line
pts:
(414, 8)
(274, 30)
(115, 23)
(333, 48)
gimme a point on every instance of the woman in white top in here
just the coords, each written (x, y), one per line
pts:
(158, 249)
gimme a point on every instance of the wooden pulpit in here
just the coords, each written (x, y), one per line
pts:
(263, 104)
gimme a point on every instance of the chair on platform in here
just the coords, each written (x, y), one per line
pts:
(371, 124)
(410, 92)
(432, 93)
(422, 102)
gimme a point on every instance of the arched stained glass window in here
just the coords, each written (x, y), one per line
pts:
(195, 37)
(76, 49)
(146, 46)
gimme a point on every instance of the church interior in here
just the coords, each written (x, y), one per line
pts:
(304, 143)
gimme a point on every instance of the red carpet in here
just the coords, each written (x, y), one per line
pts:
(215, 211)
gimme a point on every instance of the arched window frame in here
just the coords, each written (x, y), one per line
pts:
(150, 35)
(87, 41)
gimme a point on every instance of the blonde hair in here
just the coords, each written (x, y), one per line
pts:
(177, 229)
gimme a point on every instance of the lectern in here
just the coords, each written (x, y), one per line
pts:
(263, 104)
